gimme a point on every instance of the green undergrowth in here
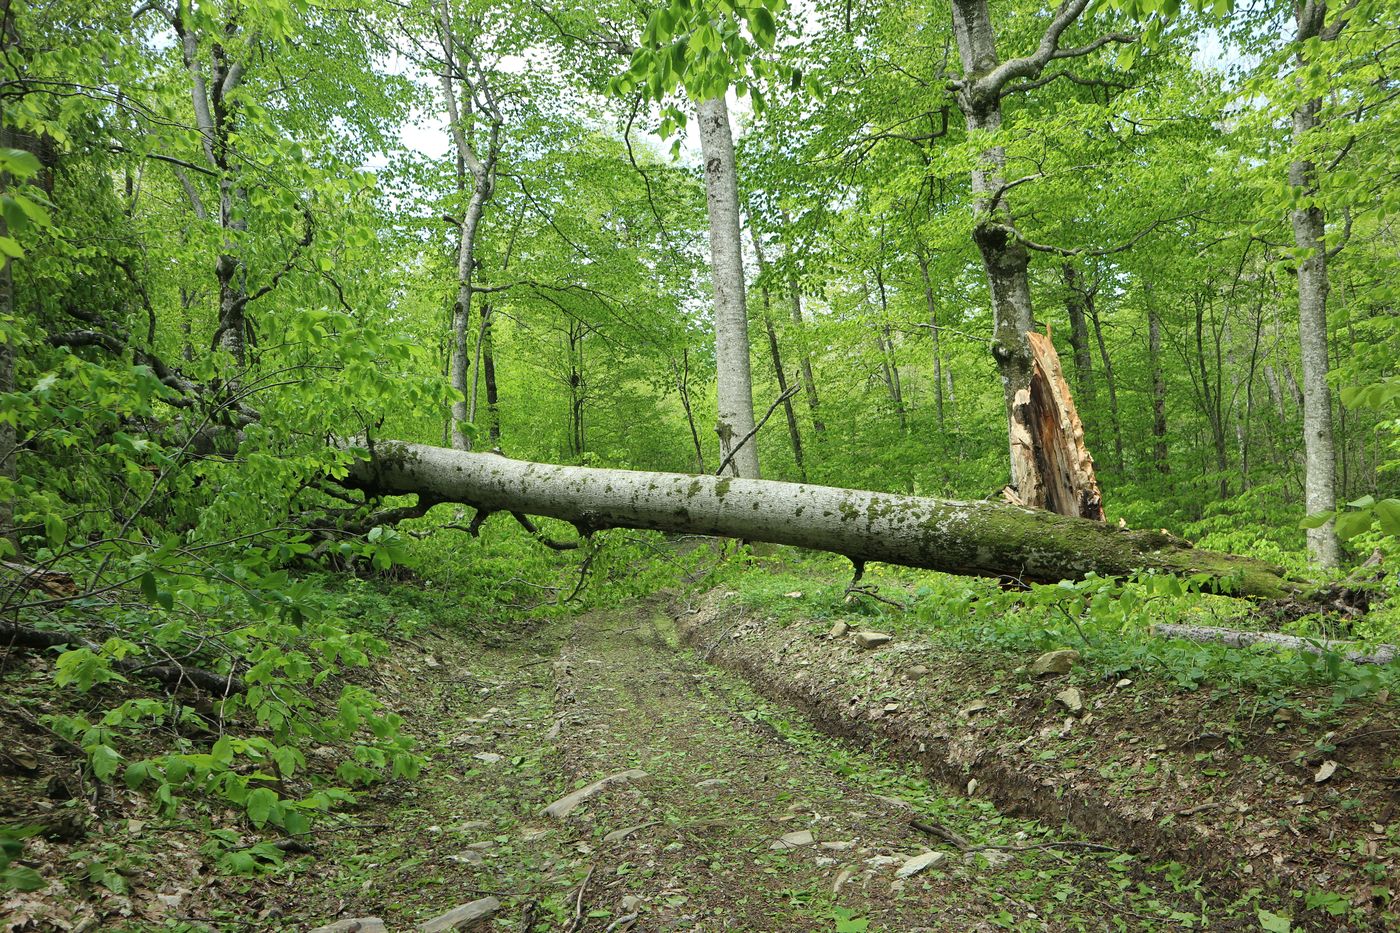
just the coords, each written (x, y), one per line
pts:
(313, 730)
(1109, 622)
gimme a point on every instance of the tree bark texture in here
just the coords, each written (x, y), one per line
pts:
(1309, 225)
(977, 538)
(734, 381)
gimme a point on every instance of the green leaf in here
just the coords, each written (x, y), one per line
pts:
(19, 162)
(56, 530)
(20, 878)
(1274, 923)
(1387, 512)
(1351, 524)
(104, 761)
(148, 587)
(1318, 520)
(261, 804)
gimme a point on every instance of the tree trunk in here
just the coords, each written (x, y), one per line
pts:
(1005, 259)
(891, 364)
(794, 435)
(682, 375)
(1047, 433)
(978, 538)
(933, 330)
(1079, 335)
(1309, 225)
(488, 371)
(461, 315)
(1159, 389)
(1108, 381)
(8, 451)
(809, 383)
(733, 379)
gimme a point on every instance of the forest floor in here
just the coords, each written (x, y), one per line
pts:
(699, 842)
(748, 817)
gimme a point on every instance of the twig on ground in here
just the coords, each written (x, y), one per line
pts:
(578, 904)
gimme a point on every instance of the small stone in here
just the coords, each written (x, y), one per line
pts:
(869, 639)
(838, 630)
(617, 835)
(844, 875)
(973, 708)
(919, 862)
(431, 662)
(891, 707)
(881, 861)
(1053, 663)
(795, 594)
(467, 917)
(489, 758)
(793, 840)
(712, 782)
(357, 925)
(972, 786)
(631, 903)
(839, 846)
(1125, 682)
(1071, 699)
(917, 671)
(468, 857)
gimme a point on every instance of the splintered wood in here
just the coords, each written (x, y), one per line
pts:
(1047, 442)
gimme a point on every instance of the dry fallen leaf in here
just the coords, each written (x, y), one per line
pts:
(1326, 771)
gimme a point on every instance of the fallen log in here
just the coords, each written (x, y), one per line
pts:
(974, 538)
(1380, 654)
(171, 674)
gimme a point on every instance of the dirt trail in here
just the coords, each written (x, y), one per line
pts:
(696, 844)
(730, 775)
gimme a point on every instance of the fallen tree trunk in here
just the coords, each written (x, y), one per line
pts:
(1380, 654)
(975, 538)
(173, 674)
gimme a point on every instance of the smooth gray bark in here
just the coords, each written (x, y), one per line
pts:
(734, 382)
(1309, 226)
(982, 538)
(1380, 654)
(461, 119)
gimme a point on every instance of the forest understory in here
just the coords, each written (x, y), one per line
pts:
(787, 776)
(649, 465)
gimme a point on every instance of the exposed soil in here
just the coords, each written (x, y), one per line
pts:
(1300, 814)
